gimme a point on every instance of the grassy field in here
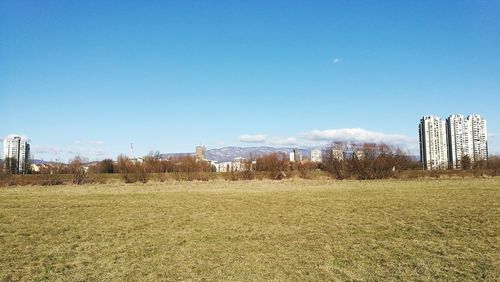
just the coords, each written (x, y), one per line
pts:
(256, 230)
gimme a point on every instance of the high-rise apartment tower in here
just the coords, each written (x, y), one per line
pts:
(16, 154)
(459, 134)
(433, 143)
(479, 137)
(454, 139)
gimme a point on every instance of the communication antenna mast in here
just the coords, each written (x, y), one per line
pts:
(131, 150)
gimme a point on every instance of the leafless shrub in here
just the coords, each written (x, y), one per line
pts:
(239, 175)
(105, 166)
(53, 179)
(365, 161)
(133, 173)
(193, 176)
(479, 168)
(493, 165)
(122, 164)
(306, 168)
(78, 170)
(276, 164)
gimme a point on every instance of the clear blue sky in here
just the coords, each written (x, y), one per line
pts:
(89, 77)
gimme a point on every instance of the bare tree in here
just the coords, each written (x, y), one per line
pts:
(364, 161)
(276, 164)
(154, 163)
(335, 160)
(78, 170)
(122, 163)
(105, 166)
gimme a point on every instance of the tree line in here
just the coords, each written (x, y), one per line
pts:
(341, 160)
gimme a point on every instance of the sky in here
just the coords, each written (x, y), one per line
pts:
(89, 77)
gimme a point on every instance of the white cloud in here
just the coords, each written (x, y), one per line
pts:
(336, 60)
(257, 138)
(493, 135)
(356, 135)
(316, 138)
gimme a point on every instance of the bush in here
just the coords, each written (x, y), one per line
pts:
(53, 179)
(194, 176)
(366, 161)
(277, 175)
(161, 177)
(239, 175)
(136, 176)
(105, 166)
(96, 178)
(40, 179)
(6, 179)
(305, 169)
(80, 176)
(126, 177)
(247, 175)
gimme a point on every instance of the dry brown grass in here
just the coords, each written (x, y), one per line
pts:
(253, 230)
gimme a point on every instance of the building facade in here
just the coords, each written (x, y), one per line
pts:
(316, 156)
(337, 154)
(295, 155)
(479, 138)
(466, 137)
(201, 153)
(433, 143)
(16, 154)
(235, 166)
(460, 143)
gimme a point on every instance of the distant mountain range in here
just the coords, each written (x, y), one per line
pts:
(230, 153)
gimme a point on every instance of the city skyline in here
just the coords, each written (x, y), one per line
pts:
(442, 143)
(89, 78)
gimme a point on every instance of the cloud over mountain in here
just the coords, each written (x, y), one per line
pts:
(356, 135)
(318, 138)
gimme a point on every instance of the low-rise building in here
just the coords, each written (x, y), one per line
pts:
(237, 165)
(201, 153)
(337, 154)
(316, 156)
